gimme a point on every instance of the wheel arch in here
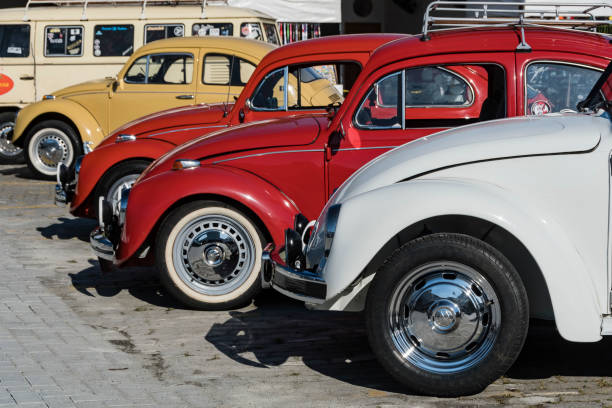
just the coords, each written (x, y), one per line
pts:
(48, 116)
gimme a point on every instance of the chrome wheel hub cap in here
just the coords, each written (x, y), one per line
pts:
(214, 254)
(51, 151)
(444, 317)
(6, 147)
(48, 148)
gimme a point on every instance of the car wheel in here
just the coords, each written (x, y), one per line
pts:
(447, 314)
(116, 179)
(9, 153)
(209, 255)
(49, 143)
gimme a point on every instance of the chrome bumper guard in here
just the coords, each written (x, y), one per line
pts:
(101, 245)
(297, 284)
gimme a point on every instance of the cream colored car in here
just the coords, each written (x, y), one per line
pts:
(164, 74)
(46, 48)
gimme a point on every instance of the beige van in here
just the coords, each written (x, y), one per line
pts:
(51, 46)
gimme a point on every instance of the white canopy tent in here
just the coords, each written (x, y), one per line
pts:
(306, 11)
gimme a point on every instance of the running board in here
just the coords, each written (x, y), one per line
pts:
(606, 326)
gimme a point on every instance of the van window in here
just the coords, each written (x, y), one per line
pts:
(155, 32)
(14, 41)
(175, 69)
(113, 40)
(271, 34)
(214, 29)
(63, 41)
(220, 69)
(251, 30)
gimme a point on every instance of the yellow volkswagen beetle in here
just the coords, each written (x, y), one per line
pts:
(161, 75)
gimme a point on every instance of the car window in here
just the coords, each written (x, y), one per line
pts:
(221, 69)
(14, 41)
(251, 30)
(154, 32)
(213, 29)
(436, 86)
(380, 107)
(316, 86)
(270, 94)
(63, 41)
(271, 34)
(552, 87)
(176, 69)
(113, 40)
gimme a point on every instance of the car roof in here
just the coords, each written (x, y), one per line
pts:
(110, 12)
(252, 47)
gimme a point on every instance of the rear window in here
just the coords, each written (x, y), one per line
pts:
(63, 41)
(113, 40)
(154, 32)
(213, 29)
(14, 41)
(271, 33)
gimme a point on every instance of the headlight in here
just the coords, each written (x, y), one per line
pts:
(123, 202)
(322, 237)
(331, 221)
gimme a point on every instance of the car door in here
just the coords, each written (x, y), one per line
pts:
(153, 82)
(437, 93)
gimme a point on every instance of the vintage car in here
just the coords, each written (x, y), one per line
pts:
(205, 210)
(452, 242)
(331, 64)
(165, 73)
(59, 44)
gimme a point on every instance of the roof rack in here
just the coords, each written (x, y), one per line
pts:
(577, 15)
(142, 3)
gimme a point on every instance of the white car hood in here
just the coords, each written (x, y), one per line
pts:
(505, 138)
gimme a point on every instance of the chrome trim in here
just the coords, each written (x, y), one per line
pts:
(101, 246)
(146, 78)
(61, 198)
(295, 275)
(185, 129)
(123, 203)
(366, 148)
(48, 97)
(87, 147)
(286, 83)
(285, 74)
(186, 164)
(268, 153)
(122, 137)
(331, 222)
(403, 102)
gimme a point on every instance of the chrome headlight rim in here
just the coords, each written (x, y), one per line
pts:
(331, 223)
(123, 203)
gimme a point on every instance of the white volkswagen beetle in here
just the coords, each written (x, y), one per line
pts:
(452, 242)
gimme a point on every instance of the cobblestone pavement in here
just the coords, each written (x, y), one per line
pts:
(72, 337)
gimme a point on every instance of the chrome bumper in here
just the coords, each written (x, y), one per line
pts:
(297, 284)
(66, 185)
(101, 245)
(61, 196)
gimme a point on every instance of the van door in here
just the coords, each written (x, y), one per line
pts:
(153, 83)
(17, 85)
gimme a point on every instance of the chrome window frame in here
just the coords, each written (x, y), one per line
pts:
(64, 55)
(452, 73)
(402, 75)
(146, 82)
(285, 70)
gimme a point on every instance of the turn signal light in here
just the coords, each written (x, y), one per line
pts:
(185, 164)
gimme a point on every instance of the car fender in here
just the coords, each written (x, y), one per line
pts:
(147, 207)
(95, 165)
(89, 129)
(395, 207)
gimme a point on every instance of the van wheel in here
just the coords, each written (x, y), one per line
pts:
(49, 143)
(9, 153)
(119, 177)
(447, 314)
(209, 255)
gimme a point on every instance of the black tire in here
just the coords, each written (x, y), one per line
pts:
(204, 291)
(121, 173)
(9, 154)
(424, 373)
(63, 135)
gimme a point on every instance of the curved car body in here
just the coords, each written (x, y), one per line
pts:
(156, 134)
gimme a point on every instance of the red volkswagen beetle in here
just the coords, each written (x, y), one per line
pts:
(325, 68)
(204, 211)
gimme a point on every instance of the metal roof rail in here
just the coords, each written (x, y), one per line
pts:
(443, 14)
(142, 3)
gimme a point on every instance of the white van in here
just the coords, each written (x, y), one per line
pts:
(57, 44)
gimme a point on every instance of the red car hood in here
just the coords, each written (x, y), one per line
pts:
(159, 122)
(289, 131)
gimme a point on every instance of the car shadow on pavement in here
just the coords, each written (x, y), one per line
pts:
(69, 228)
(19, 171)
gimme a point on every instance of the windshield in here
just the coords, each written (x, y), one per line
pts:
(601, 94)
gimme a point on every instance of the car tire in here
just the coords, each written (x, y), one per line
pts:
(447, 314)
(208, 255)
(9, 153)
(47, 144)
(118, 177)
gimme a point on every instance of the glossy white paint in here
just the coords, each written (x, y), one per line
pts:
(544, 180)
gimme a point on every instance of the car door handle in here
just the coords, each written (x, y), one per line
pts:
(26, 77)
(185, 97)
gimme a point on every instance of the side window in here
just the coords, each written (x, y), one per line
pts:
(380, 108)
(14, 41)
(113, 40)
(316, 86)
(552, 87)
(271, 34)
(174, 69)
(155, 32)
(63, 41)
(212, 29)
(270, 94)
(220, 69)
(436, 86)
(251, 30)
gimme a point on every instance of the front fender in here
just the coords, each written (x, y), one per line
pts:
(98, 162)
(358, 239)
(89, 129)
(152, 198)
